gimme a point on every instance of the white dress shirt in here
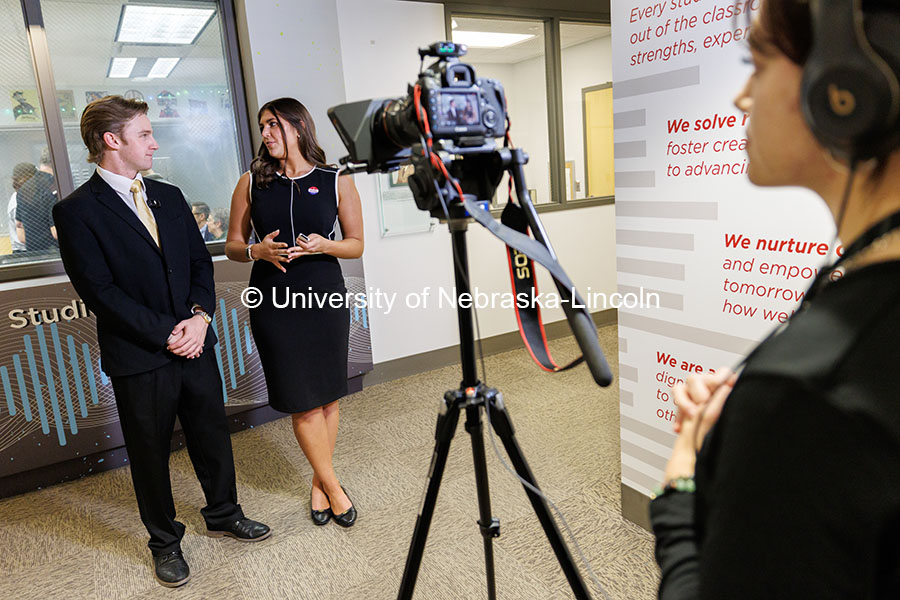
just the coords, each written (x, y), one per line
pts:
(122, 186)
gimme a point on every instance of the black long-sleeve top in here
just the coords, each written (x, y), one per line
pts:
(798, 484)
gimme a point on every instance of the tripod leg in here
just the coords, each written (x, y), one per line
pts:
(446, 427)
(502, 424)
(490, 527)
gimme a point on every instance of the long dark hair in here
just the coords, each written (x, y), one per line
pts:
(264, 166)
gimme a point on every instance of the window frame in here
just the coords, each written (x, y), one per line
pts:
(553, 71)
(55, 133)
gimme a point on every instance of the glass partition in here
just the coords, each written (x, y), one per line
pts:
(170, 56)
(587, 110)
(27, 187)
(512, 51)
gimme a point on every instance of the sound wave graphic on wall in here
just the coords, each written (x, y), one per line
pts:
(55, 381)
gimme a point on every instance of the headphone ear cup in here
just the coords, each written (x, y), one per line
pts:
(883, 33)
(851, 97)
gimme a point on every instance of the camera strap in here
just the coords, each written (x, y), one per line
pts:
(523, 252)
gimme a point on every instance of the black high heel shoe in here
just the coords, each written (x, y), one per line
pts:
(348, 517)
(319, 517)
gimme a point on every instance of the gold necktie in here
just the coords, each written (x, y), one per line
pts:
(143, 211)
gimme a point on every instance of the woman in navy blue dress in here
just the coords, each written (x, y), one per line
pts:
(295, 202)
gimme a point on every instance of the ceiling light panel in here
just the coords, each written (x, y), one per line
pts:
(121, 67)
(489, 39)
(162, 67)
(140, 24)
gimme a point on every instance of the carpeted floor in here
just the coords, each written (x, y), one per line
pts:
(84, 539)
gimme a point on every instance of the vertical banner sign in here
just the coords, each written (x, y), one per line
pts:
(728, 261)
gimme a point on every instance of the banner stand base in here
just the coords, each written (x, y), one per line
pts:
(636, 507)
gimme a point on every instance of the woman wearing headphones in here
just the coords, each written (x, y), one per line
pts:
(795, 492)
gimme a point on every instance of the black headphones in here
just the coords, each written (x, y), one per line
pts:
(851, 93)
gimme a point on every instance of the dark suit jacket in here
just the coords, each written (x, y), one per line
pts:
(138, 291)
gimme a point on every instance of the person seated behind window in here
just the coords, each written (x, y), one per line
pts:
(34, 206)
(22, 172)
(200, 211)
(217, 226)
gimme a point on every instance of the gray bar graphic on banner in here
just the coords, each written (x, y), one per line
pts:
(655, 239)
(626, 397)
(644, 455)
(630, 149)
(635, 179)
(653, 268)
(643, 430)
(666, 299)
(685, 333)
(638, 477)
(704, 211)
(630, 118)
(669, 80)
(628, 372)
(623, 345)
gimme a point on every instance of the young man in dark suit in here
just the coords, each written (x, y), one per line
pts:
(135, 256)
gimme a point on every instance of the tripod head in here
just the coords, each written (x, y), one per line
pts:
(478, 171)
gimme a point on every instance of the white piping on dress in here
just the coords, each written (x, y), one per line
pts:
(293, 233)
(250, 201)
(298, 176)
(337, 175)
(337, 201)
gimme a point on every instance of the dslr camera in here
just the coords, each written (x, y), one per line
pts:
(459, 108)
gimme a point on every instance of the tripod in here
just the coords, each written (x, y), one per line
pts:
(475, 396)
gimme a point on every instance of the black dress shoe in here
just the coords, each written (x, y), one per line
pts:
(245, 530)
(319, 517)
(171, 569)
(348, 517)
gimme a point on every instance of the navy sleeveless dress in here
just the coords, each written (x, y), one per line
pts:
(302, 347)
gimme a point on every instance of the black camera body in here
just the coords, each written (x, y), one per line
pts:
(461, 106)
(462, 109)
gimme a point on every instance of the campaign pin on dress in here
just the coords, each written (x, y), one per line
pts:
(313, 190)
